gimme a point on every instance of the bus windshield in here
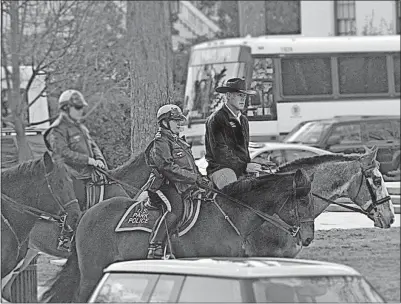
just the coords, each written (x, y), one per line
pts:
(200, 96)
(208, 69)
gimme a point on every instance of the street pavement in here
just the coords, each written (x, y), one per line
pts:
(346, 220)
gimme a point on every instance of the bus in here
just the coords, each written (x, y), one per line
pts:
(296, 79)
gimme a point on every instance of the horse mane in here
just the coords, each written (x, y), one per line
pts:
(27, 169)
(132, 162)
(316, 160)
(266, 182)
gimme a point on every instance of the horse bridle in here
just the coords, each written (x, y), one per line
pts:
(372, 205)
(37, 212)
(274, 219)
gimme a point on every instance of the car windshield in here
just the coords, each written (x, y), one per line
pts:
(309, 133)
(319, 289)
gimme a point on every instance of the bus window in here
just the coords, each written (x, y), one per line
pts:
(306, 76)
(262, 104)
(359, 75)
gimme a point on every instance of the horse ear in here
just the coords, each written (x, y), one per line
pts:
(302, 183)
(48, 162)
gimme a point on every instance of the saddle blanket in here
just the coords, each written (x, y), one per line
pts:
(141, 216)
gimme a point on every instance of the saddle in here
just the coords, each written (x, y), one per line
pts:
(142, 215)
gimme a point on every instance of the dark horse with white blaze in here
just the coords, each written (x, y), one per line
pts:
(223, 228)
(30, 190)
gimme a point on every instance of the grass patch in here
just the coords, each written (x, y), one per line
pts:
(375, 253)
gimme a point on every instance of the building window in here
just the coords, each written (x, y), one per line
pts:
(345, 18)
(283, 17)
(398, 12)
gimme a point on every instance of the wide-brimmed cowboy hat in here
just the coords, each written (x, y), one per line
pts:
(235, 85)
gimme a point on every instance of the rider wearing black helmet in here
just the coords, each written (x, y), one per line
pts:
(171, 156)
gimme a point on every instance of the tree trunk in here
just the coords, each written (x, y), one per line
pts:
(24, 151)
(150, 67)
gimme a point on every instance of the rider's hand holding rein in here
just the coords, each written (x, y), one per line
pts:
(96, 163)
(253, 167)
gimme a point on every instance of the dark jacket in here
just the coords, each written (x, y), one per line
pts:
(172, 157)
(227, 142)
(71, 143)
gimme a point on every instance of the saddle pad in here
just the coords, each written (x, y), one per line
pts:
(139, 217)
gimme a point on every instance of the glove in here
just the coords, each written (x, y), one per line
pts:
(99, 164)
(253, 167)
(96, 163)
(91, 161)
(203, 182)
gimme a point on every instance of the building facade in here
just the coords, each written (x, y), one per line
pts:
(319, 18)
(190, 24)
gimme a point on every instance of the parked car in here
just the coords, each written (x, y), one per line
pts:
(349, 134)
(233, 280)
(273, 153)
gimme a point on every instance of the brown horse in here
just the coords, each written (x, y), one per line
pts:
(29, 190)
(222, 229)
(356, 177)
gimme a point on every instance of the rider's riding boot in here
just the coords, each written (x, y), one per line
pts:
(159, 236)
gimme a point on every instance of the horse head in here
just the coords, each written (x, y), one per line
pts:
(58, 195)
(371, 193)
(286, 196)
(298, 211)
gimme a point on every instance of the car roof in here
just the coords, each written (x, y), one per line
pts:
(255, 147)
(351, 118)
(234, 267)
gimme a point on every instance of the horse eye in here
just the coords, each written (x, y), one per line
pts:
(377, 181)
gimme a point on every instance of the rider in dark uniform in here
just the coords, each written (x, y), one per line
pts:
(171, 156)
(70, 143)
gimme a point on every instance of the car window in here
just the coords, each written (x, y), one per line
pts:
(126, 288)
(380, 130)
(207, 289)
(295, 154)
(268, 157)
(167, 288)
(309, 133)
(319, 289)
(350, 133)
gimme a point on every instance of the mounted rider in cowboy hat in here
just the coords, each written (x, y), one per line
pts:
(227, 136)
(171, 156)
(69, 141)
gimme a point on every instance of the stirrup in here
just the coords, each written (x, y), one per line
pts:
(155, 251)
(64, 243)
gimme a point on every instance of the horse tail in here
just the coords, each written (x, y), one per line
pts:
(65, 285)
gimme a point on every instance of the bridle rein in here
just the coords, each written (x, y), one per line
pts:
(369, 206)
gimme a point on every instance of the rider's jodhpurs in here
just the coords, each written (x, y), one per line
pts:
(159, 233)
